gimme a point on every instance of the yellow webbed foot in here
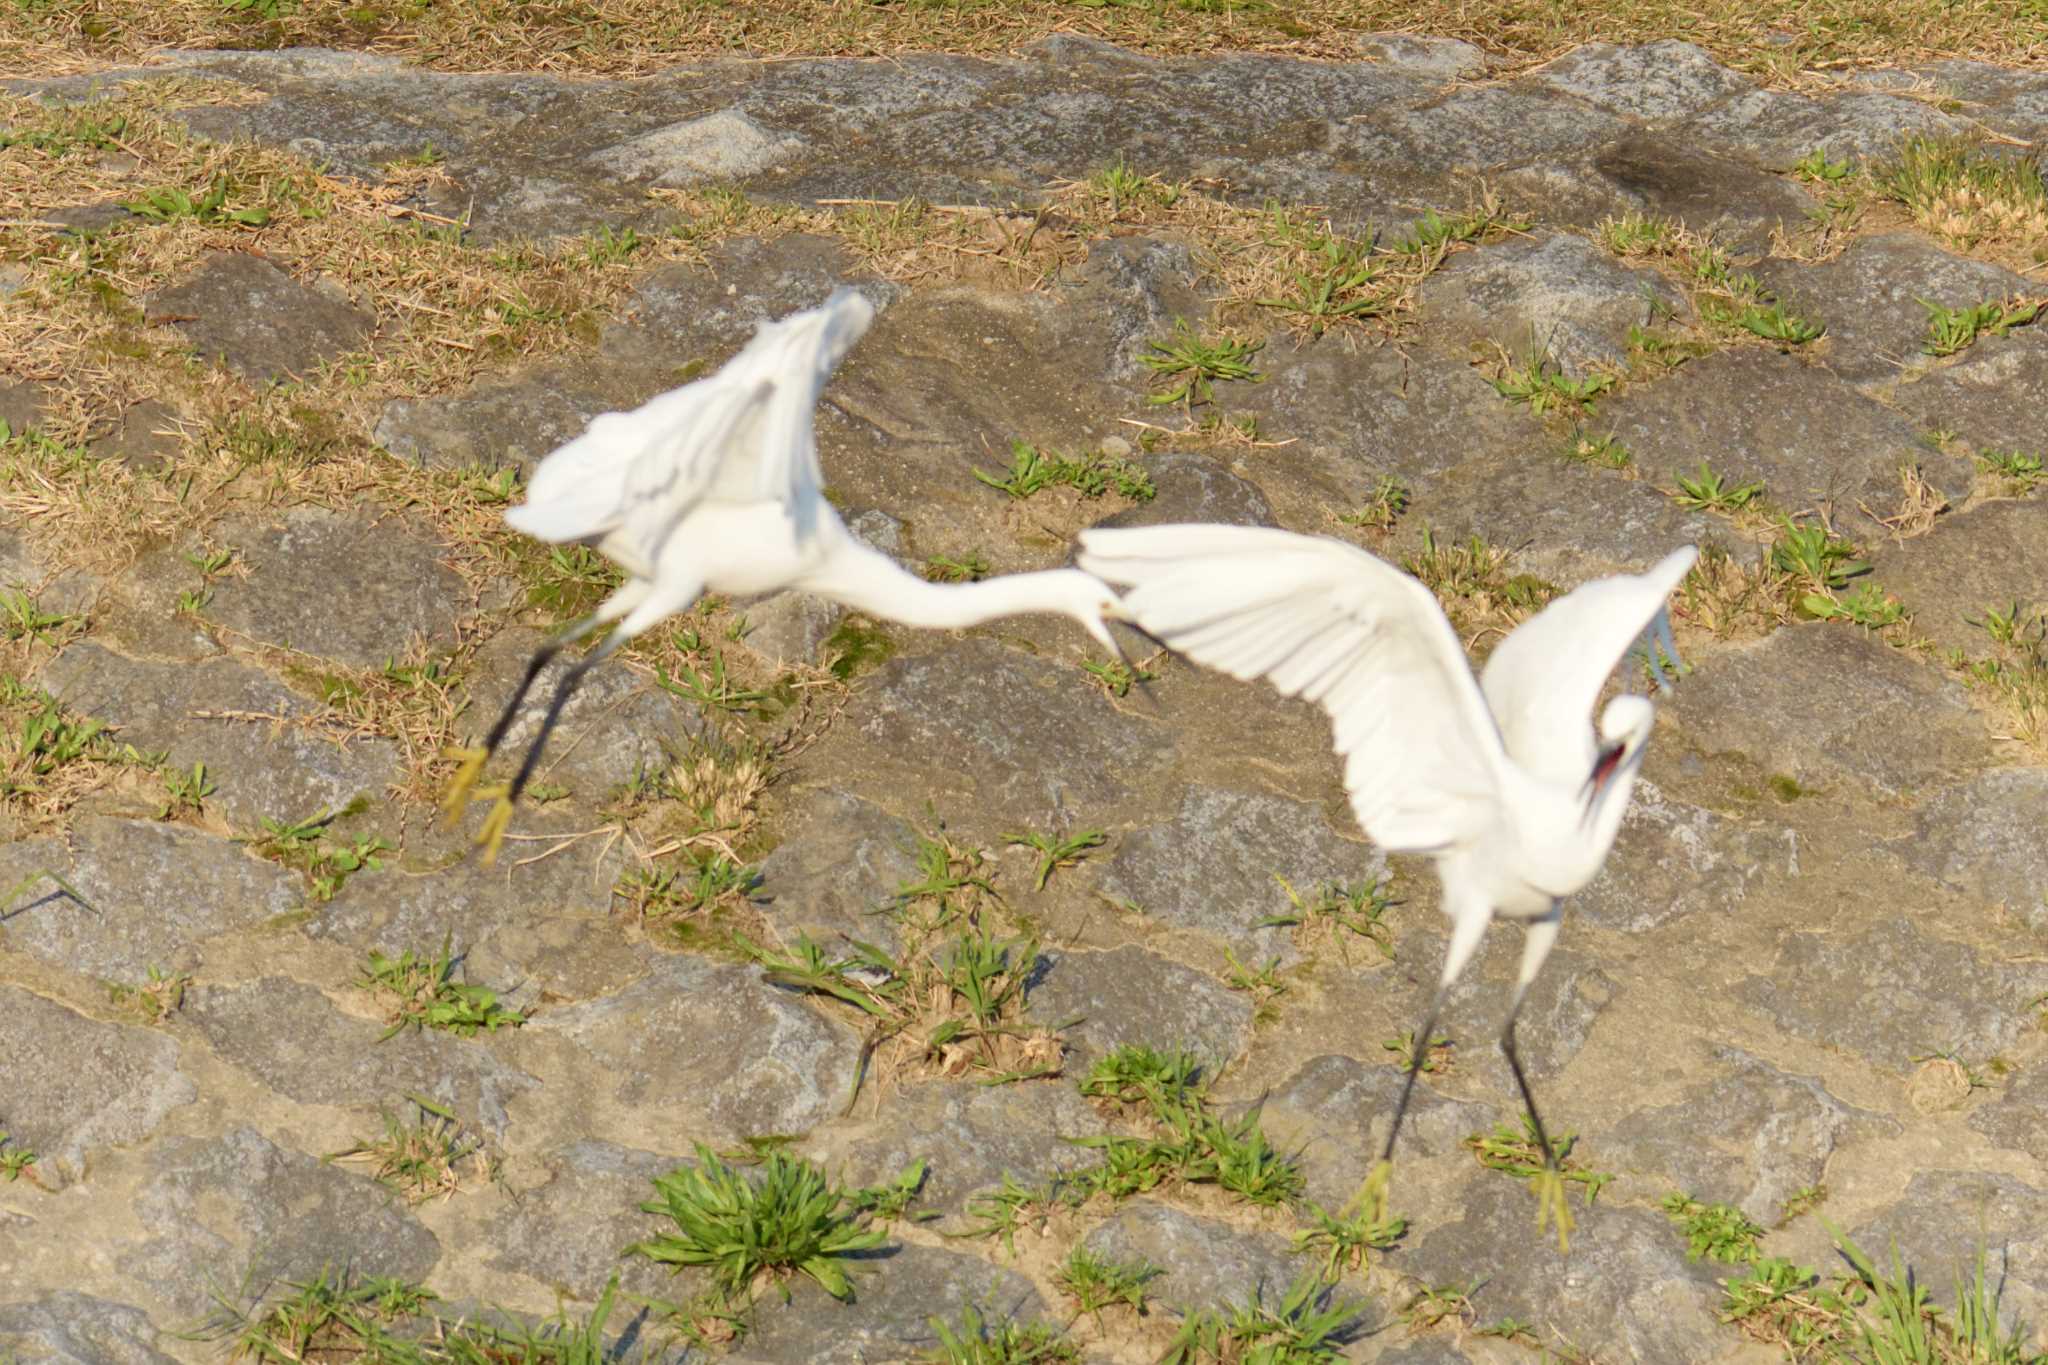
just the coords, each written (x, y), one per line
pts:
(1551, 1203)
(457, 796)
(1372, 1195)
(493, 833)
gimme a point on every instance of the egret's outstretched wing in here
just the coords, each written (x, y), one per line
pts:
(799, 354)
(580, 490)
(1331, 624)
(743, 433)
(1542, 681)
(663, 486)
(672, 446)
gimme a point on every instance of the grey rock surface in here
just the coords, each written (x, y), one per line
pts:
(839, 866)
(895, 1295)
(1626, 1284)
(1874, 296)
(1654, 82)
(1559, 295)
(1981, 837)
(1887, 959)
(146, 438)
(1989, 396)
(1131, 996)
(291, 1039)
(1336, 1110)
(240, 1210)
(1193, 487)
(1947, 1217)
(1217, 864)
(77, 1085)
(526, 936)
(299, 564)
(1904, 728)
(1752, 414)
(1992, 557)
(1377, 410)
(618, 724)
(968, 716)
(971, 1136)
(1207, 1263)
(2013, 1120)
(791, 627)
(573, 1226)
(1603, 524)
(1731, 200)
(143, 895)
(1775, 128)
(1478, 128)
(703, 1047)
(260, 321)
(507, 422)
(21, 404)
(1674, 859)
(266, 753)
(1769, 1136)
(1444, 58)
(68, 1328)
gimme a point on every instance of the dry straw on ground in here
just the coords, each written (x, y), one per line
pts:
(1771, 38)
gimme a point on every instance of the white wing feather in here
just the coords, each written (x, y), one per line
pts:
(1333, 625)
(801, 354)
(579, 491)
(1542, 681)
(743, 433)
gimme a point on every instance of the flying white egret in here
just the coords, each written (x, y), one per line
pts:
(716, 487)
(1502, 782)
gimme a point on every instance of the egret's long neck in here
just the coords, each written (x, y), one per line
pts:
(870, 581)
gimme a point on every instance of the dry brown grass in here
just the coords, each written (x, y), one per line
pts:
(1979, 200)
(1477, 589)
(1732, 601)
(80, 327)
(1276, 266)
(1772, 38)
(411, 700)
(1920, 505)
(444, 311)
(1986, 201)
(434, 1158)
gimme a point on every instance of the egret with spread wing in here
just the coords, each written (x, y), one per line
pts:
(1502, 781)
(716, 487)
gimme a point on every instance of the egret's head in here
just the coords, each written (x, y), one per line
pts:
(1094, 604)
(1624, 728)
(1104, 607)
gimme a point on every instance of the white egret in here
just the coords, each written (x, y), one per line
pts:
(1502, 782)
(716, 487)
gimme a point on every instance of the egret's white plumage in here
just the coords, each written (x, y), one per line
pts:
(1501, 779)
(716, 487)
